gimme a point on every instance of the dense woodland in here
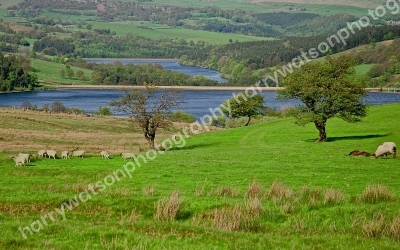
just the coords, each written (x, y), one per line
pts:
(15, 73)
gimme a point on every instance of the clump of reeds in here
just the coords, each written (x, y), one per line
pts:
(332, 196)
(227, 218)
(375, 227)
(395, 227)
(227, 191)
(199, 191)
(310, 196)
(376, 193)
(149, 190)
(254, 189)
(167, 208)
(280, 192)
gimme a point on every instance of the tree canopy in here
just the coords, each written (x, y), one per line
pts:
(244, 106)
(149, 108)
(327, 89)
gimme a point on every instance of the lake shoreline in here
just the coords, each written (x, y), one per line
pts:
(116, 87)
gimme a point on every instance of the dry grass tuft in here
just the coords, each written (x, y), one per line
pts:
(376, 193)
(168, 207)
(333, 196)
(199, 191)
(279, 192)
(311, 196)
(254, 189)
(253, 207)
(287, 208)
(395, 227)
(227, 218)
(376, 227)
(149, 190)
(227, 191)
(129, 217)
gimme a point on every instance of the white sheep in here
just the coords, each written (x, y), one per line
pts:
(19, 161)
(65, 155)
(127, 156)
(78, 153)
(105, 155)
(51, 153)
(27, 157)
(41, 153)
(386, 149)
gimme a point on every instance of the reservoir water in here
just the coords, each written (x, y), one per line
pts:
(197, 102)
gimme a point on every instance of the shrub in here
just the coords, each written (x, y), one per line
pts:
(77, 111)
(103, 111)
(58, 107)
(182, 116)
(26, 105)
(168, 207)
(376, 193)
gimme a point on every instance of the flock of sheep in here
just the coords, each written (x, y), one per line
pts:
(21, 159)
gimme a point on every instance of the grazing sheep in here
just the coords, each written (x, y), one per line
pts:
(386, 149)
(51, 153)
(19, 161)
(27, 157)
(78, 153)
(65, 155)
(127, 156)
(41, 153)
(105, 155)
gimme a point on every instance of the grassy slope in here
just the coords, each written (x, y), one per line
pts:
(274, 151)
(49, 72)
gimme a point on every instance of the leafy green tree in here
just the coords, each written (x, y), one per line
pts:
(327, 89)
(149, 109)
(244, 106)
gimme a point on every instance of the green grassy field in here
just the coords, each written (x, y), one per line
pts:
(308, 195)
(49, 73)
(156, 31)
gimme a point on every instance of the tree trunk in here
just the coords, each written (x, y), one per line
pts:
(248, 121)
(150, 139)
(322, 131)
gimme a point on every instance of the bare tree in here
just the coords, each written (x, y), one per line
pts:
(149, 108)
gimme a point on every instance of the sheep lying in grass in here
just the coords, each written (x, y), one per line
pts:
(27, 157)
(19, 161)
(359, 153)
(65, 155)
(41, 153)
(78, 153)
(127, 156)
(51, 153)
(105, 155)
(386, 149)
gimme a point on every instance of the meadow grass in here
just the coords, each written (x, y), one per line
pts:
(289, 192)
(157, 31)
(50, 73)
